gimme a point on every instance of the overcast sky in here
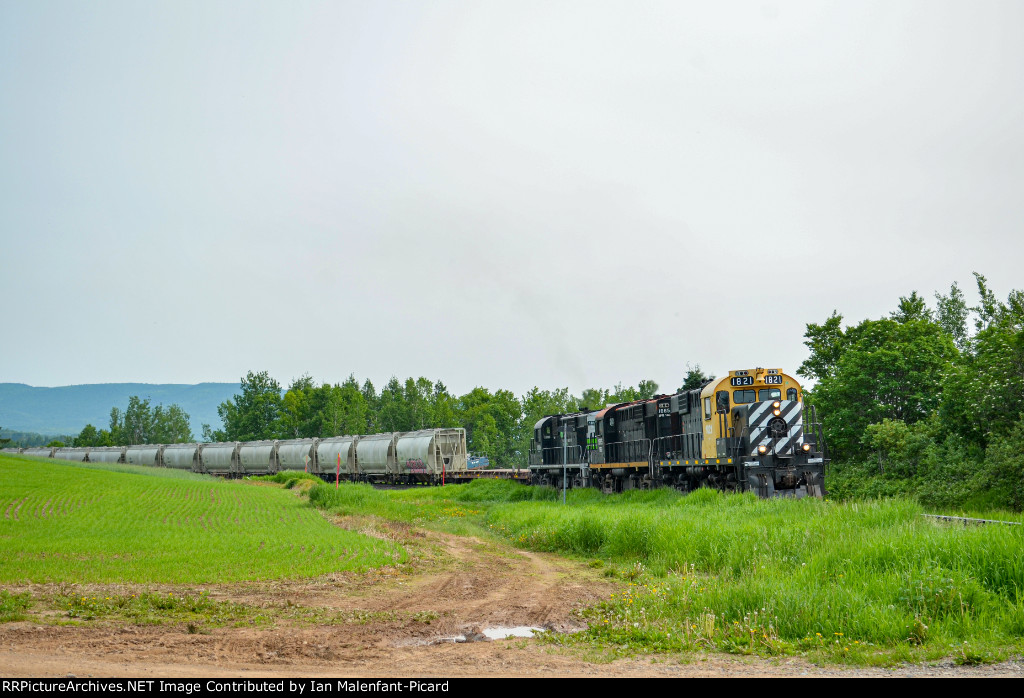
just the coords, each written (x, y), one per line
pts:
(504, 194)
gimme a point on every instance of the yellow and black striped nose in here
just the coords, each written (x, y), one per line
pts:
(775, 427)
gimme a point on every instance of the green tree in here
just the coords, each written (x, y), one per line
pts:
(87, 437)
(297, 419)
(595, 398)
(494, 424)
(254, 414)
(170, 426)
(142, 424)
(694, 378)
(339, 409)
(983, 393)
(393, 411)
(891, 372)
(827, 342)
(1004, 463)
(372, 407)
(444, 407)
(951, 314)
(912, 307)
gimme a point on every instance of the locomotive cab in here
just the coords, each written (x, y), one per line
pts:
(755, 420)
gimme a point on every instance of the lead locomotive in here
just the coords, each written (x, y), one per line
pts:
(747, 431)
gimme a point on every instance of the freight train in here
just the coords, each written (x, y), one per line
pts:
(425, 456)
(746, 431)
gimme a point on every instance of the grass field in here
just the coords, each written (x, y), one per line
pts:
(116, 523)
(866, 582)
(870, 582)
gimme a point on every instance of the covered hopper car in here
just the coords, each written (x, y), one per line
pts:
(425, 456)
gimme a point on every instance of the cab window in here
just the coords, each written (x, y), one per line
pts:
(791, 394)
(722, 401)
(742, 397)
(707, 408)
(765, 394)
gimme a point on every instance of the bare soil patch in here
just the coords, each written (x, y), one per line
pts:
(398, 623)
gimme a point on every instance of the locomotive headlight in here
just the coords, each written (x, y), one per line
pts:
(777, 412)
(776, 405)
(807, 447)
(762, 449)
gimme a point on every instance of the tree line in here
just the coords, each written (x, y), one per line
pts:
(928, 400)
(498, 424)
(139, 423)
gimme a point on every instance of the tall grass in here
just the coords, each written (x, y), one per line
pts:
(869, 579)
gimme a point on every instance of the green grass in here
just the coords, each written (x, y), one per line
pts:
(869, 582)
(289, 478)
(198, 612)
(67, 523)
(13, 606)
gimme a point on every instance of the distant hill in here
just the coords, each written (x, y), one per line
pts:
(67, 409)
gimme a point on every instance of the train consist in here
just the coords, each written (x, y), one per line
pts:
(427, 456)
(746, 431)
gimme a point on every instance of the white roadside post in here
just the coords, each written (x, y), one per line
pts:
(565, 460)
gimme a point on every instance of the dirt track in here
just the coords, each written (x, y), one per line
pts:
(399, 622)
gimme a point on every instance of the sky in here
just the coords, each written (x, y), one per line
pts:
(498, 194)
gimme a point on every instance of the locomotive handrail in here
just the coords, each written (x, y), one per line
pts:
(608, 449)
(676, 443)
(556, 451)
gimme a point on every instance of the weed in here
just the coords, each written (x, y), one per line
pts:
(14, 606)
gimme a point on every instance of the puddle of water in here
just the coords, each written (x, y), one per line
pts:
(518, 631)
(485, 635)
